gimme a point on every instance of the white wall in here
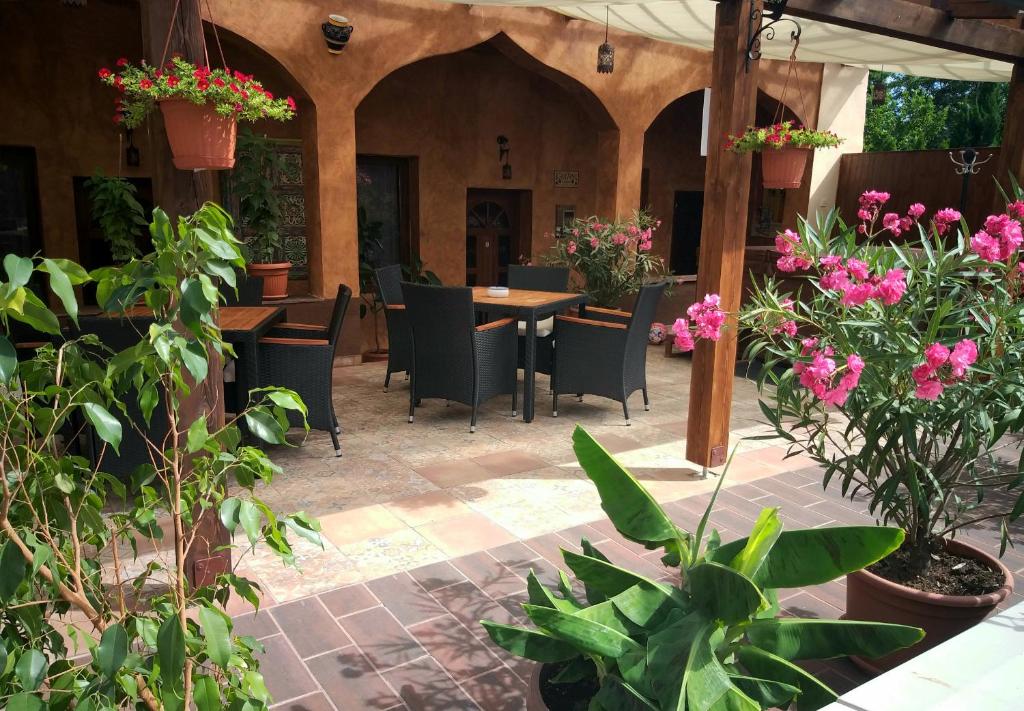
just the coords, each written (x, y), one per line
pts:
(842, 110)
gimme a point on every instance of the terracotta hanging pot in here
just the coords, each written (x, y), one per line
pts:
(275, 278)
(873, 598)
(200, 138)
(784, 167)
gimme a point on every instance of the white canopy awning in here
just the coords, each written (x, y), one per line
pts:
(692, 22)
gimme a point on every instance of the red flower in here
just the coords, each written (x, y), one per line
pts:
(268, 95)
(119, 83)
(234, 87)
(238, 107)
(104, 73)
(118, 118)
(172, 81)
(244, 93)
(145, 84)
(218, 81)
(202, 85)
(291, 103)
(158, 74)
(122, 62)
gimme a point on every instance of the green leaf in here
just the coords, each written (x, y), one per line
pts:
(764, 665)
(766, 531)
(112, 650)
(250, 518)
(265, 426)
(64, 483)
(827, 639)
(769, 693)
(206, 693)
(217, 635)
(530, 644)
(587, 636)
(608, 578)
(31, 669)
(107, 426)
(170, 649)
(24, 702)
(12, 570)
(61, 286)
(194, 357)
(633, 511)
(721, 593)
(817, 555)
(8, 359)
(616, 695)
(197, 435)
(19, 270)
(229, 513)
(541, 596)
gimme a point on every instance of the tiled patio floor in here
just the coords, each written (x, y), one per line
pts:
(431, 529)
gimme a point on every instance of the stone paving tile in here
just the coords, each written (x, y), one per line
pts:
(310, 627)
(425, 686)
(405, 598)
(255, 624)
(349, 599)
(382, 638)
(313, 702)
(351, 682)
(492, 577)
(498, 690)
(437, 575)
(459, 651)
(465, 534)
(502, 463)
(284, 673)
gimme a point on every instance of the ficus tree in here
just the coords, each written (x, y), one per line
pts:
(96, 611)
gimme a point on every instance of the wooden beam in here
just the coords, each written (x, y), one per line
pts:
(723, 231)
(1011, 154)
(906, 20)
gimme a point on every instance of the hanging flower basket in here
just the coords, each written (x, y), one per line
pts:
(201, 107)
(784, 150)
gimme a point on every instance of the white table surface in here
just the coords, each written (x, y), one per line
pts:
(981, 669)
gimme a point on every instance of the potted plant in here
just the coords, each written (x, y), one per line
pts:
(613, 258)
(713, 640)
(259, 212)
(784, 149)
(897, 369)
(200, 105)
(119, 214)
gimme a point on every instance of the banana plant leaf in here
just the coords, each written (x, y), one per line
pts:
(813, 694)
(827, 639)
(530, 644)
(585, 635)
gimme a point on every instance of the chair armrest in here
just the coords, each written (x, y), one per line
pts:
(295, 341)
(495, 324)
(618, 313)
(299, 326)
(395, 307)
(591, 322)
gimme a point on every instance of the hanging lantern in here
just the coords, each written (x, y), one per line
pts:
(879, 91)
(605, 53)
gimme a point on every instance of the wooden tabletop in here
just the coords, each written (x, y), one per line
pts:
(522, 297)
(238, 319)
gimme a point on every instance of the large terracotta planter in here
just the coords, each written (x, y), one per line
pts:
(873, 598)
(784, 167)
(534, 701)
(200, 138)
(275, 278)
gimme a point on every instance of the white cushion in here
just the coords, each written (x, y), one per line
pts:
(544, 327)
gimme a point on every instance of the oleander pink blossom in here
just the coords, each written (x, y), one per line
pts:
(986, 246)
(916, 210)
(708, 317)
(571, 247)
(929, 390)
(892, 287)
(594, 242)
(788, 328)
(1016, 209)
(857, 294)
(787, 241)
(936, 355)
(944, 218)
(891, 222)
(792, 264)
(964, 354)
(837, 280)
(831, 261)
(858, 268)
(683, 339)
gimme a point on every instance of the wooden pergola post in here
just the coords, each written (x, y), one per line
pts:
(1011, 154)
(724, 229)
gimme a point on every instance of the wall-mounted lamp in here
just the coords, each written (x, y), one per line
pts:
(131, 153)
(503, 153)
(605, 53)
(337, 31)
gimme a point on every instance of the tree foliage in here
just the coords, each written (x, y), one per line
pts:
(921, 113)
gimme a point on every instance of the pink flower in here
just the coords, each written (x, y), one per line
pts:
(831, 261)
(786, 241)
(104, 73)
(916, 210)
(792, 264)
(634, 230)
(786, 327)
(1016, 210)
(929, 390)
(1007, 231)
(575, 232)
(936, 354)
(708, 316)
(892, 287)
(291, 103)
(683, 340)
(837, 280)
(944, 218)
(594, 242)
(172, 81)
(891, 222)
(922, 373)
(238, 107)
(964, 354)
(619, 238)
(857, 268)
(122, 62)
(986, 246)
(873, 199)
(857, 294)
(787, 304)
(571, 247)
(646, 245)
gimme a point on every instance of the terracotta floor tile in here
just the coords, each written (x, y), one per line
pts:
(469, 605)
(455, 473)
(498, 690)
(512, 554)
(360, 524)
(405, 598)
(458, 650)
(492, 577)
(310, 627)
(350, 681)
(424, 686)
(428, 508)
(349, 599)
(284, 673)
(513, 462)
(255, 624)
(437, 575)
(465, 534)
(380, 636)
(313, 702)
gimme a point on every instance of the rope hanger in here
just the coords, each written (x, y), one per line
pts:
(202, 35)
(779, 111)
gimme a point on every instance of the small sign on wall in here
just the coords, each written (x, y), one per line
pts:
(567, 178)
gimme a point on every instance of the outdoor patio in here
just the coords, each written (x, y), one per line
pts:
(430, 529)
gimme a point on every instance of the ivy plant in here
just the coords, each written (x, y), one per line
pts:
(95, 612)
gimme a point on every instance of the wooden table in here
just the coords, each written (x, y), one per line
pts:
(528, 306)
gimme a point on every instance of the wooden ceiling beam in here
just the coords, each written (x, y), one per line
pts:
(925, 25)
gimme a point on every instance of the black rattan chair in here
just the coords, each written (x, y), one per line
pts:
(539, 279)
(299, 358)
(389, 286)
(605, 355)
(452, 357)
(249, 291)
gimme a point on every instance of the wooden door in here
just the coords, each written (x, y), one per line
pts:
(492, 235)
